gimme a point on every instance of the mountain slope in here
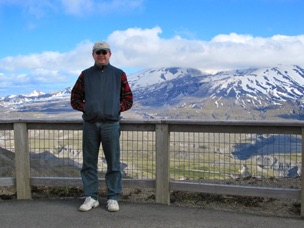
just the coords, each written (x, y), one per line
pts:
(165, 86)
(264, 93)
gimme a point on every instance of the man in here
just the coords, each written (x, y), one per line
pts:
(101, 92)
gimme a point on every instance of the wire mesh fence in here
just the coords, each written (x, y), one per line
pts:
(138, 154)
(204, 157)
(56, 153)
(7, 153)
(272, 160)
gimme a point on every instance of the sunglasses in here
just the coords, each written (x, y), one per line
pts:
(104, 52)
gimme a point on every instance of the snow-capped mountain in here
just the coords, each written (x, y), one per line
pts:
(261, 93)
(35, 96)
(37, 101)
(156, 76)
(260, 86)
(255, 86)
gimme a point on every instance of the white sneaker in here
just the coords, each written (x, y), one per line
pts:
(112, 205)
(88, 204)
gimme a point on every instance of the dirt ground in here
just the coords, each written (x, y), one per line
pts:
(251, 205)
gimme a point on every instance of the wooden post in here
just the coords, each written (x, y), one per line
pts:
(302, 177)
(162, 164)
(22, 161)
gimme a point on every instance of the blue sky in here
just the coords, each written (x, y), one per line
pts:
(45, 44)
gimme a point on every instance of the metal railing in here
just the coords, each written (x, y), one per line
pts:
(247, 158)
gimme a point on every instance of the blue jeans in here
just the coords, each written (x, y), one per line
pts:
(107, 133)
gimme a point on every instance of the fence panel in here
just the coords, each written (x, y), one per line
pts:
(7, 153)
(246, 158)
(269, 160)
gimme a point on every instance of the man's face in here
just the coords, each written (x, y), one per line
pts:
(102, 57)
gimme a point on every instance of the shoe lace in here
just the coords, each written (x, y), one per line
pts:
(112, 202)
(87, 200)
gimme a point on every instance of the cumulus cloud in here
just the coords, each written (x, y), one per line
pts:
(45, 70)
(138, 48)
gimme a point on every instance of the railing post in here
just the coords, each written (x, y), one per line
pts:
(22, 161)
(162, 164)
(302, 177)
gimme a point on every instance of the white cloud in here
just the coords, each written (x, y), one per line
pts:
(145, 48)
(40, 8)
(46, 69)
(137, 48)
(77, 7)
(35, 8)
(100, 7)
